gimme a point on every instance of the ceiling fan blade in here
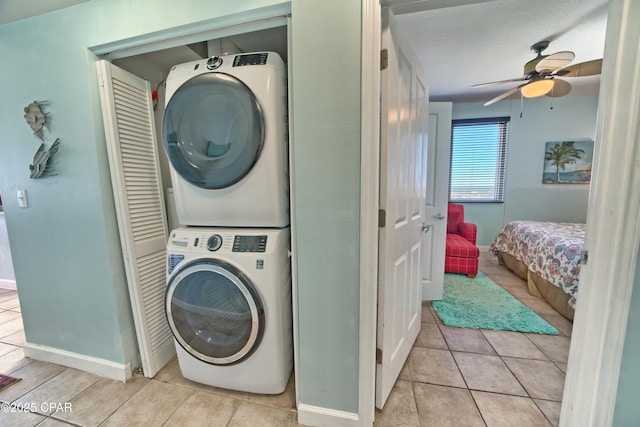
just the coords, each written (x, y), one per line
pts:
(560, 88)
(588, 68)
(520, 79)
(502, 95)
(555, 61)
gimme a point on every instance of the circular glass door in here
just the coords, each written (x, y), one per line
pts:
(214, 312)
(213, 130)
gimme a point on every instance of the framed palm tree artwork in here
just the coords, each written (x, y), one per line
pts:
(568, 162)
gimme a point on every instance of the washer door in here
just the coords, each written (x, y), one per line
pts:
(213, 130)
(214, 312)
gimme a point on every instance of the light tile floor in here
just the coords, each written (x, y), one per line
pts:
(453, 377)
(467, 377)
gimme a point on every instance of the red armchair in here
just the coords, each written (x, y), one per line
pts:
(461, 254)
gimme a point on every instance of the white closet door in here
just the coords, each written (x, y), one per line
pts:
(137, 190)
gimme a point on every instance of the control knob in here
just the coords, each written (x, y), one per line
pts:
(214, 62)
(214, 242)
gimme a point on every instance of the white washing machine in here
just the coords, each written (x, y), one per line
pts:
(228, 304)
(225, 134)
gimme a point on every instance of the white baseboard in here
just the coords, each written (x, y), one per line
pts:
(101, 367)
(316, 416)
(484, 248)
(8, 284)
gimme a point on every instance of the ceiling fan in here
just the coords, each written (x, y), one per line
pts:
(541, 74)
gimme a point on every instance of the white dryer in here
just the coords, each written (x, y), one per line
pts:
(228, 304)
(225, 134)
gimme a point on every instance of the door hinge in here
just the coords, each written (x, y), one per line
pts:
(378, 356)
(585, 257)
(382, 218)
(384, 59)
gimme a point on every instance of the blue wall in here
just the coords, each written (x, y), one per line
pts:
(66, 248)
(326, 168)
(627, 410)
(525, 196)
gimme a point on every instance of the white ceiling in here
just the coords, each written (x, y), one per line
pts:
(464, 42)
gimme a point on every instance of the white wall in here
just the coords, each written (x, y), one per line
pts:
(526, 197)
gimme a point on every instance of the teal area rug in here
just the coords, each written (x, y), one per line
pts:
(481, 304)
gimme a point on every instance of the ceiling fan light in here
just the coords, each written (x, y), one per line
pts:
(537, 88)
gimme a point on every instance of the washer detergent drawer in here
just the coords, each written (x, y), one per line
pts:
(214, 312)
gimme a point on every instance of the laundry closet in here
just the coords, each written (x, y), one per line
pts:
(228, 258)
(155, 66)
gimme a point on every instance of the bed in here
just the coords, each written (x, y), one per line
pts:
(545, 254)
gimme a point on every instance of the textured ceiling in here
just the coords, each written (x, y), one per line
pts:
(489, 41)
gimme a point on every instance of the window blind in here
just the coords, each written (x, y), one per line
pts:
(478, 160)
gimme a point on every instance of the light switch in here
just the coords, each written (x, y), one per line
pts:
(22, 199)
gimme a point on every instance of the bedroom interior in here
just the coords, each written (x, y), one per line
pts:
(526, 197)
(534, 122)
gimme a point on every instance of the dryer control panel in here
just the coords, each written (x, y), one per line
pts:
(250, 59)
(249, 243)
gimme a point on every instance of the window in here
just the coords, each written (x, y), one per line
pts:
(478, 160)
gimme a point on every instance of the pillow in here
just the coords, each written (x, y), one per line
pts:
(452, 222)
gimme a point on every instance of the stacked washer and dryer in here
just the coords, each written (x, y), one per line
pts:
(228, 299)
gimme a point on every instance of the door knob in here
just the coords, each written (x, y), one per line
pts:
(425, 228)
(440, 215)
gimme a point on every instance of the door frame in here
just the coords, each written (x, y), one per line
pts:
(369, 204)
(612, 233)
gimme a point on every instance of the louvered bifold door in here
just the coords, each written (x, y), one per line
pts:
(137, 190)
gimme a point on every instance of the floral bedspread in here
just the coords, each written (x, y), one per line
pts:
(551, 250)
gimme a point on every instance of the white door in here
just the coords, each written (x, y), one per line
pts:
(137, 190)
(439, 153)
(403, 151)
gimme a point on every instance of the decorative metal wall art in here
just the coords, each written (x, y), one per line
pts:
(38, 120)
(40, 166)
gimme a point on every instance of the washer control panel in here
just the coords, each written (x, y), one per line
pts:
(221, 241)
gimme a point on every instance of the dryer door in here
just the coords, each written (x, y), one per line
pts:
(214, 312)
(213, 130)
